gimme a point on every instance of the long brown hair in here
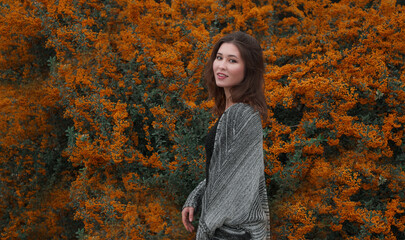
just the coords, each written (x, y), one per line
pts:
(250, 90)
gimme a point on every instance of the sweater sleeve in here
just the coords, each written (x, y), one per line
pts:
(235, 171)
(195, 197)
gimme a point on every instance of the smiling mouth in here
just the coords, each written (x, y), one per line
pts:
(221, 75)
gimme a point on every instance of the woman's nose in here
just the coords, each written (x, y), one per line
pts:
(222, 65)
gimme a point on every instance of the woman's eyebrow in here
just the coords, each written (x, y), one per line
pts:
(230, 55)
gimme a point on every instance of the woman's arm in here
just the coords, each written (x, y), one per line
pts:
(191, 205)
(195, 197)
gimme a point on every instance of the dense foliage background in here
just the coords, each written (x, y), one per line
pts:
(103, 115)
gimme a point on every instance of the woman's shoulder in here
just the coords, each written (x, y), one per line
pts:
(241, 109)
(241, 113)
(240, 118)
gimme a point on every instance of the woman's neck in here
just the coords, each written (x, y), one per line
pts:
(228, 102)
(228, 98)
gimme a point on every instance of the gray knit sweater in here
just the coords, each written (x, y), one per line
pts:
(235, 196)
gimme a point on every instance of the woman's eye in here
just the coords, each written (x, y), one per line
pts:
(219, 57)
(232, 61)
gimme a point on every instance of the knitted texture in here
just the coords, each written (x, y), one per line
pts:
(236, 194)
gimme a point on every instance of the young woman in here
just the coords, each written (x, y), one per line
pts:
(233, 198)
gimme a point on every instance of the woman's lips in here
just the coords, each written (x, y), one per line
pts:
(221, 76)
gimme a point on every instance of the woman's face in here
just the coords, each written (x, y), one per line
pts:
(228, 66)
